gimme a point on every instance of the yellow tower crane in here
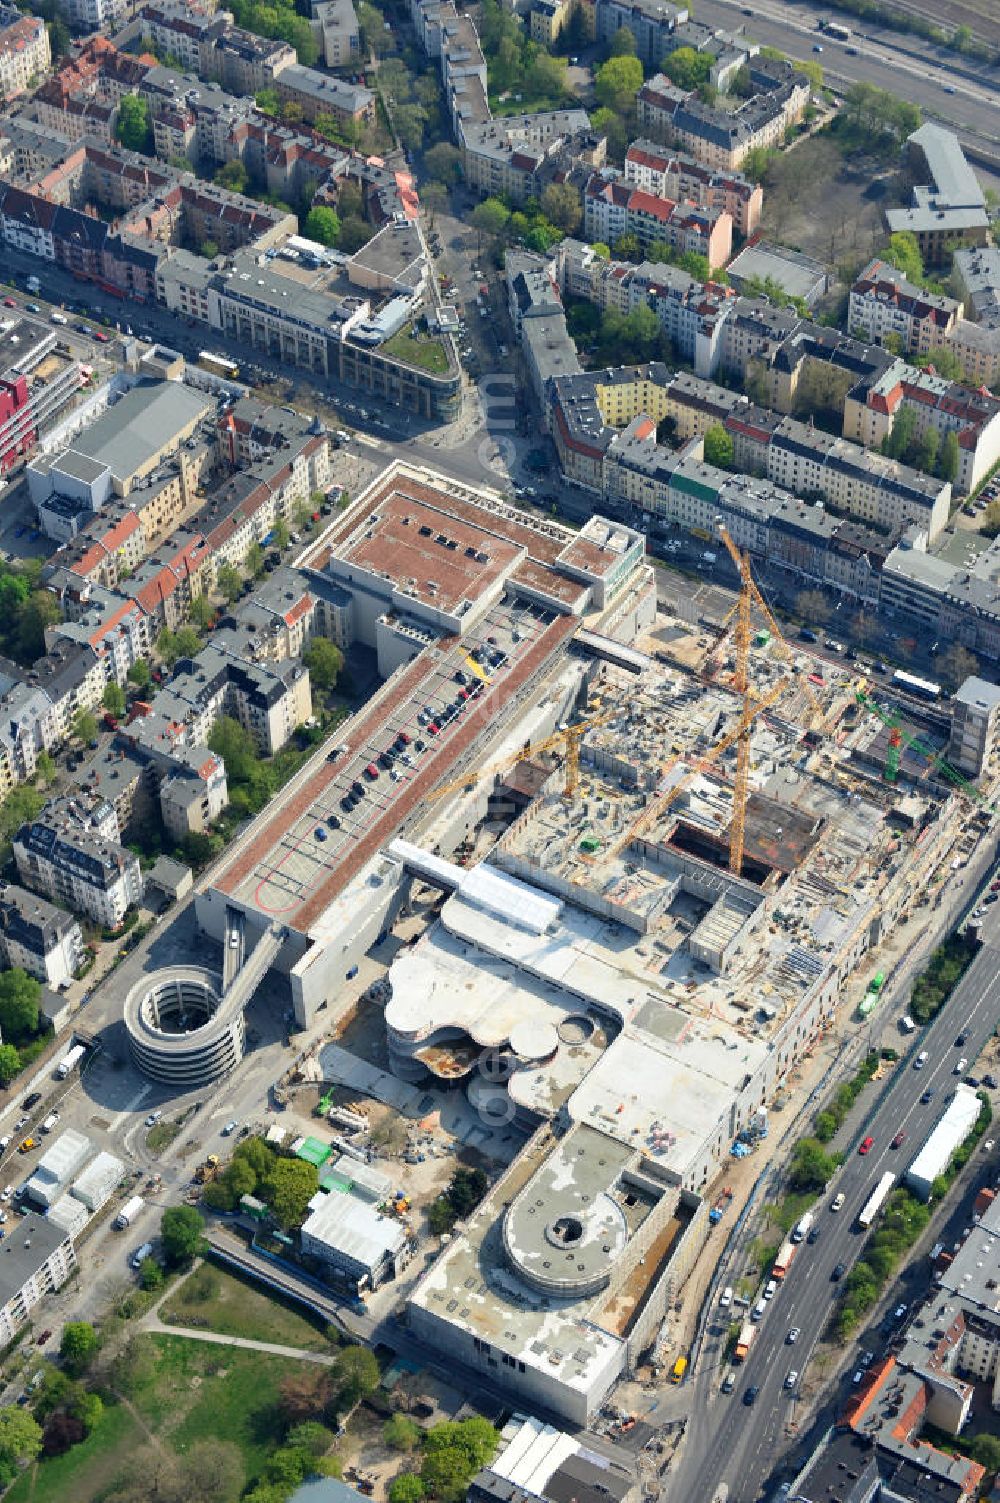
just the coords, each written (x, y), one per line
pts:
(568, 740)
(661, 802)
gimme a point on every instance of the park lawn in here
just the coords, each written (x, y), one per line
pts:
(85, 1472)
(200, 1391)
(428, 354)
(236, 1308)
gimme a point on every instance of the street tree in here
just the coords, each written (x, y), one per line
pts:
(356, 1374)
(812, 607)
(181, 1235)
(229, 582)
(10, 1063)
(954, 664)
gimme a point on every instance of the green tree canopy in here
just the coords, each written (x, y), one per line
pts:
(325, 662)
(135, 127)
(687, 68)
(139, 674)
(812, 1168)
(490, 218)
(79, 1346)
(406, 1488)
(322, 224)
(235, 745)
(234, 176)
(401, 1433)
(20, 1440)
(561, 206)
(287, 1187)
(113, 699)
(229, 581)
(20, 995)
(903, 252)
(181, 1235)
(356, 1374)
(617, 82)
(443, 163)
(719, 448)
(10, 1063)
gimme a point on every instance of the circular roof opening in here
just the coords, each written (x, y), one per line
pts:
(566, 1231)
(576, 1029)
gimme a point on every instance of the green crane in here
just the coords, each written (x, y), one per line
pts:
(899, 737)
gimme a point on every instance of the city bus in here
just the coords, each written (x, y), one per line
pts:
(219, 365)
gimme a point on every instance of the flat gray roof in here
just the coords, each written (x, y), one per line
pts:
(140, 424)
(30, 1242)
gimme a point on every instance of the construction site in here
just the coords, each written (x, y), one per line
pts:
(684, 886)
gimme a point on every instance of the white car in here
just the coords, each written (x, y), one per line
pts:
(961, 1066)
(792, 1336)
(8, 1191)
(153, 1118)
(230, 1128)
(792, 1379)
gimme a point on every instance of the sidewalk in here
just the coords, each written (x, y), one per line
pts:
(157, 1327)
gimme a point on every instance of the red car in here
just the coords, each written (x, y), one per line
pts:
(371, 771)
(866, 1145)
(899, 1140)
(9, 302)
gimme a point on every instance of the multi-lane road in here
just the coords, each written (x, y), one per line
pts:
(737, 1445)
(962, 94)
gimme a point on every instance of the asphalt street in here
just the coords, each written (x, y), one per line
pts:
(737, 1445)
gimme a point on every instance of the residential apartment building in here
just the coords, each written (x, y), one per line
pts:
(720, 139)
(810, 463)
(676, 175)
(885, 306)
(36, 1261)
(976, 338)
(270, 700)
(40, 938)
(24, 51)
(335, 27)
(655, 25)
(613, 208)
(71, 852)
(513, 153)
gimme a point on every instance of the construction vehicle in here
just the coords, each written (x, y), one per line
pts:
(206, 1172)
(324, 1104)
(568, 738)
(745, 1340)
(784, 1259)
(721, 1206)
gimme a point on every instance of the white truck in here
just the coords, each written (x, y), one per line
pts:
(801, 1228)
(128, 1213)
(69, 1061)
